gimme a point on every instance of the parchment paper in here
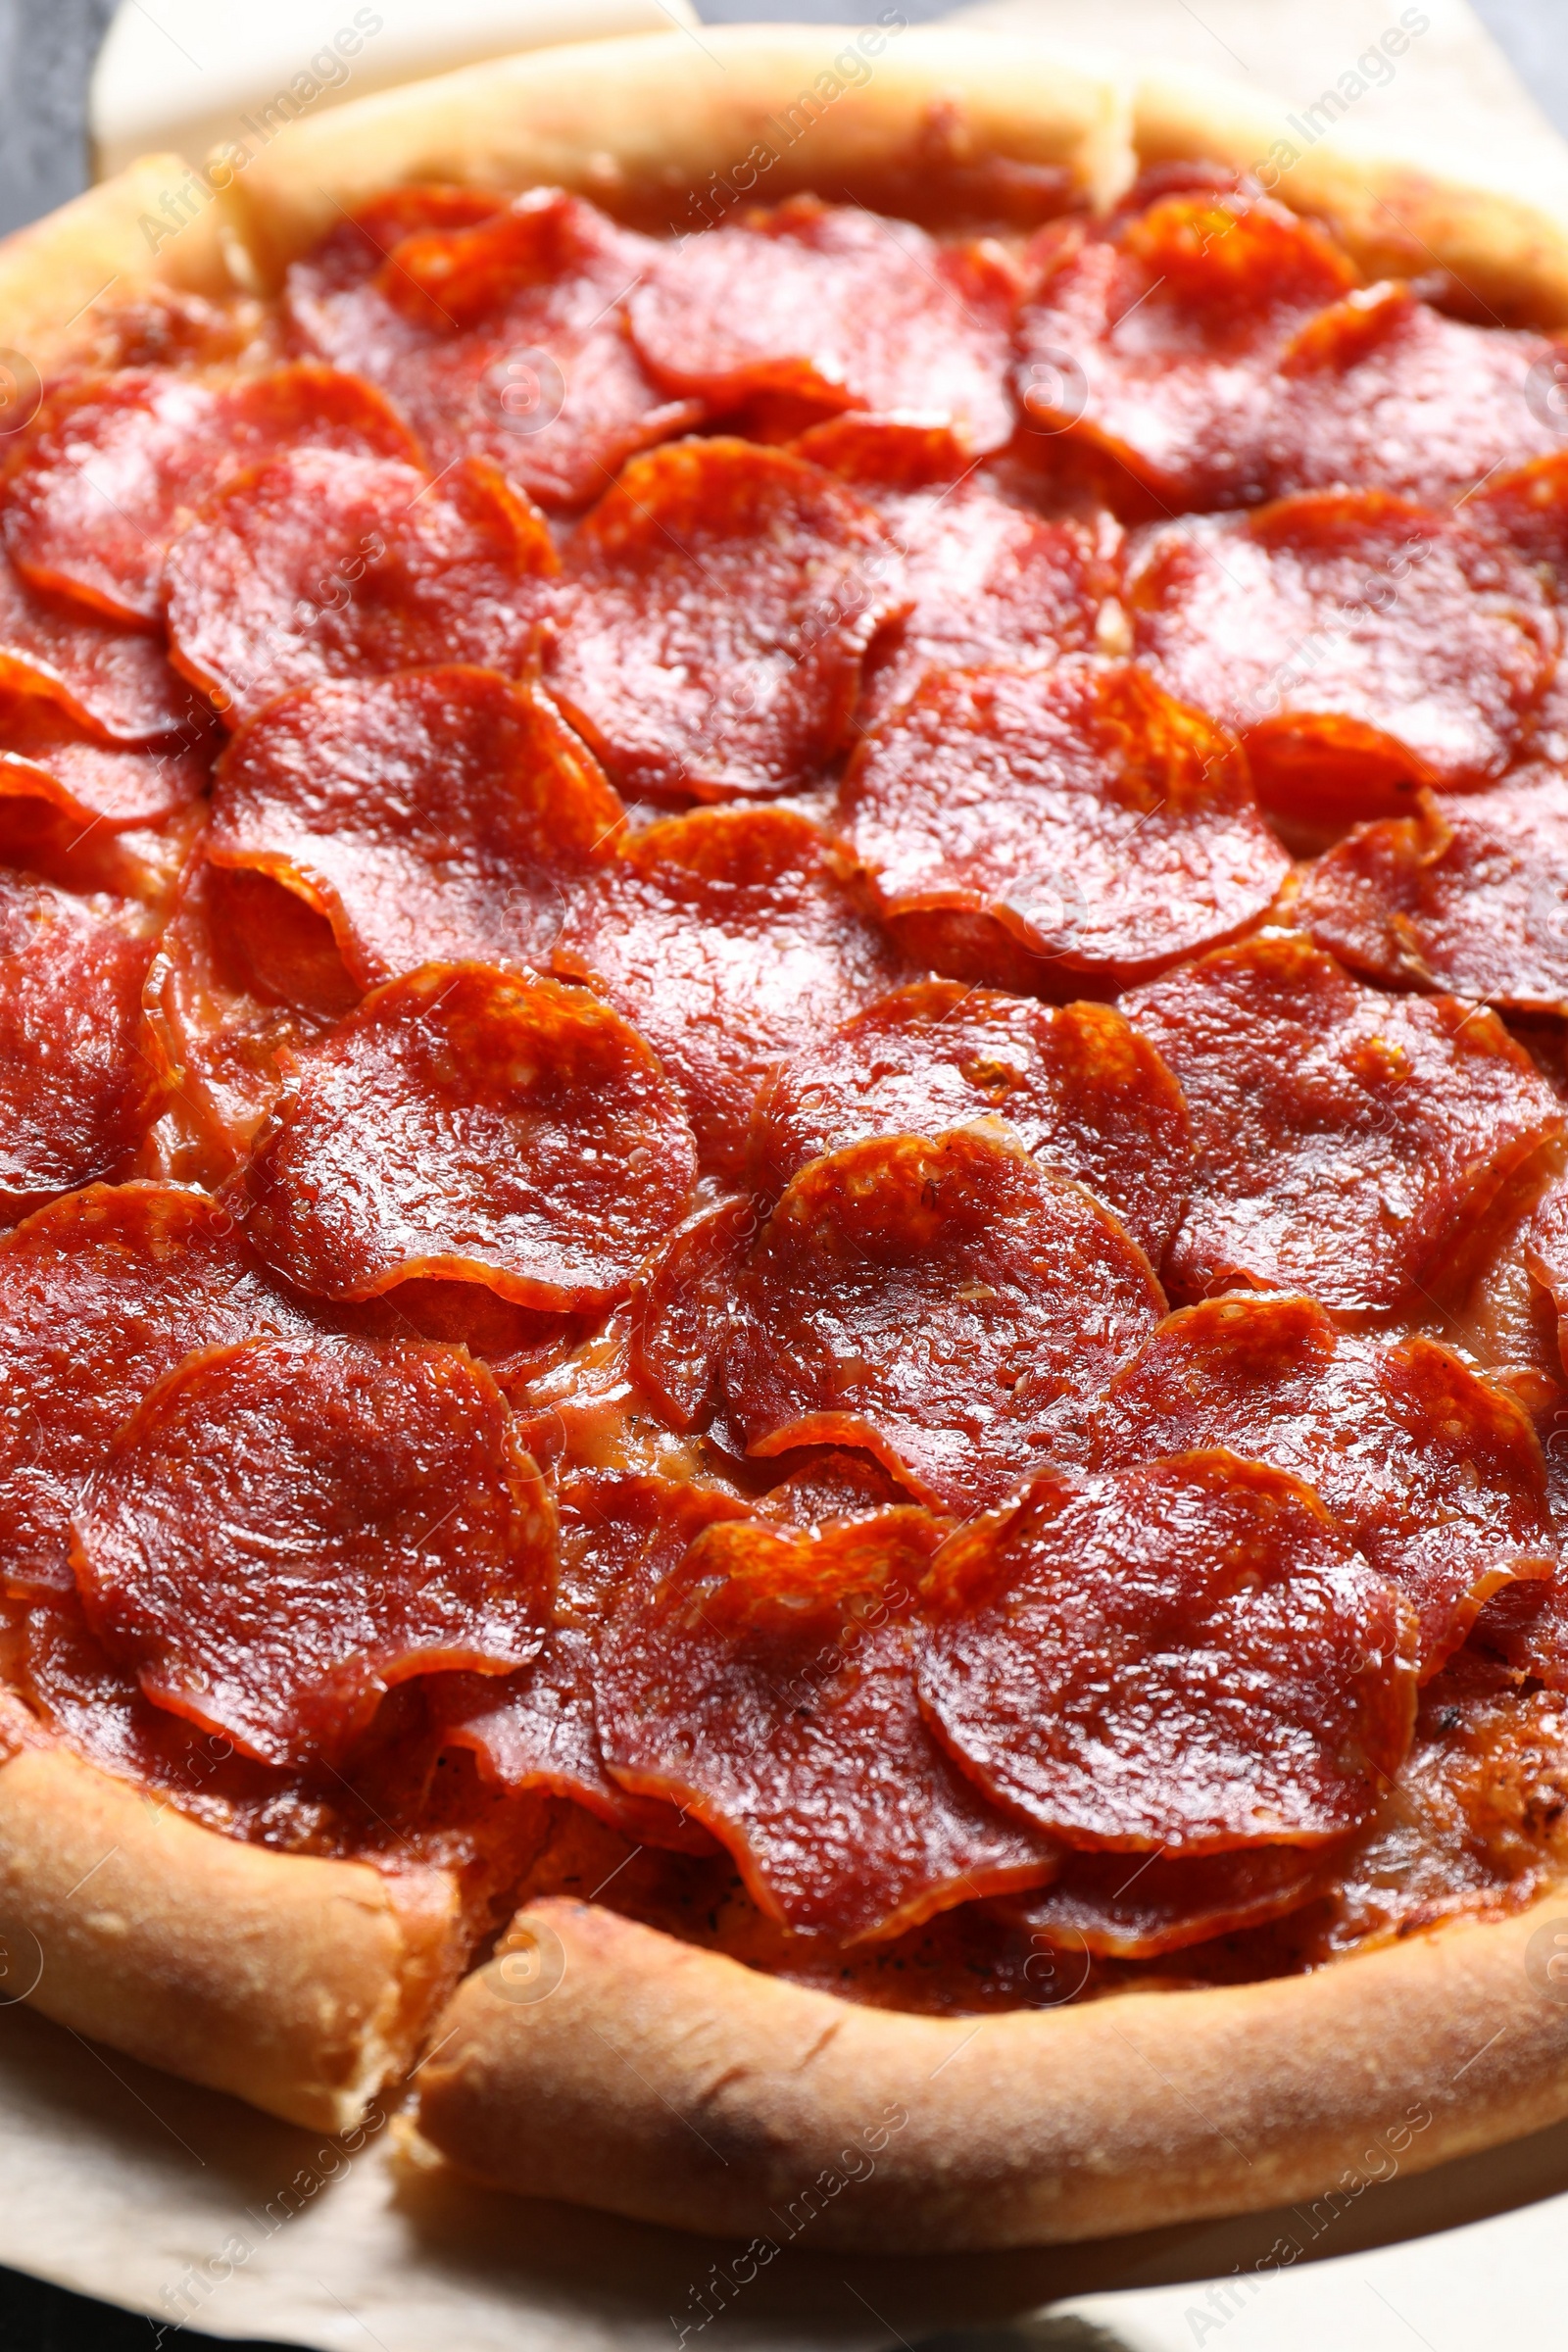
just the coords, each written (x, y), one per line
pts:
(123, 2183)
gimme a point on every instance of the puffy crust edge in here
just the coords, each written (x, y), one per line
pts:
(640, 122)
(608, 2064)
(300, 1984)
(115, 242)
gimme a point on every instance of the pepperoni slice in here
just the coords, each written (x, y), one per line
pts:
(100, 1294)
(76, 1090)
(44, 755)
(1504, 1322)
(1360, 645)
(1545, 1255)
(620, 1533)
(930, 1302)
(1528, 506)
(1139, 1906)
(1346, 1140)
(1091, 1099)
(119, 466)
(115, 682)
(355, 247)
(442, 814)
(829, 1484)
(285, 1529)
(1154, 347)
(1469, 894)
(322, 566)
(1383, 390)
(1437, 1475)
(141, 866)
(727, 937)
(1188, 1657)
(988, 581)
(768, 1685)
(502, 335)
(519, 1343)
(1051, 828)
(218, 1030)
(835, 305)
(476, 1125)
(681, 1311)
(723, 597)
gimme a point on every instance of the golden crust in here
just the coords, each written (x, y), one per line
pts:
(639, 123)
(301, 1984)
(608, 2064)
(672, 2083)
(107, 247)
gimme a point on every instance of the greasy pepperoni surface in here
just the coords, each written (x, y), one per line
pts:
(501, 338)
(681, 1311)
(1347, 1139)
(475, 1124)
(1470, 895)
(1383, 390)
(45, 756)
(988, 581)
(1361, 645)
(1528, 506)
(100, 1294)
(116, 682)
(835, 305)
(717, 606)
(1188, 1657)
(727, 937)
(619, 1533)
(322, 565)
(829, 1484)
(1155, 346)
(76, 1090)
(768, 1685)
(1080, 824)
(930, 1302)
(285, 1529)
(1136, 1906)
(1436, 1475)
(355, 248)
(100, 1712)
(1091, 1099)
(1545, 1255)
(216, 1028)
(443, 813)
(119, 465)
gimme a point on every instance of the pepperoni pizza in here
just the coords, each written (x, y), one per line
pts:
(785, 1178)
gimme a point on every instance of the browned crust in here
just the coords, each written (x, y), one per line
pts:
(675, 2086)
(654, 2079)
(299, 1984)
